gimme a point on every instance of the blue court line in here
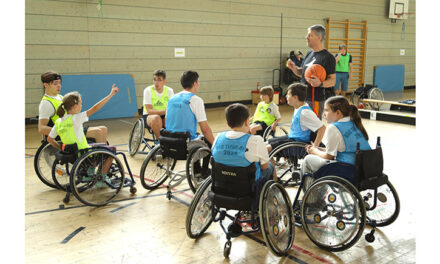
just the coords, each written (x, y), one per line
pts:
(72, 235)
(122, 207)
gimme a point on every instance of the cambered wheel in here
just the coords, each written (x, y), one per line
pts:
(43, 161)
(376, 94)
(155, 169)
(87, 181)
(286, 156)
(388, 204)
(333, 214)
(197, 159)
(136, 137)
(199, 216)
(280, 130)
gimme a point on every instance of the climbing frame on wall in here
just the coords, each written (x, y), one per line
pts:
(354, 36)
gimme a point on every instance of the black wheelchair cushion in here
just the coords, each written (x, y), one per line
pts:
(340, 169)
(232, 186)
(369, 169)
(66, 157)
(174, 144)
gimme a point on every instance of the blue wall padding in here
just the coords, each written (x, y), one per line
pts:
(389, 77)
(95, 87)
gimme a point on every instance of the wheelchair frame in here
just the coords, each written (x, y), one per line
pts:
(367, 92)
(82, 180)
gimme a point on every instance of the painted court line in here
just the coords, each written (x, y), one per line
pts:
(69, 237)
(122, 207)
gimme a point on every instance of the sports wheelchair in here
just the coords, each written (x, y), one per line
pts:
(342, 198)
(166, 161)
(137, 138)
(367, 92)
(79, 172)
(232, 188)
(44, 158)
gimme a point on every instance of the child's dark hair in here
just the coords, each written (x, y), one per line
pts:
(50, 76)
(188, 78)
(236, 114)
(267, 90)
(160, 73)
(341, 103)
(69, 100)
(299, 90)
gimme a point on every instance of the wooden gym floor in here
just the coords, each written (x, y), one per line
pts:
(148, 228)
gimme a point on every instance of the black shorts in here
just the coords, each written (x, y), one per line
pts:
(263, 125)
(145, 120)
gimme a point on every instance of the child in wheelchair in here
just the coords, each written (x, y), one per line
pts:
(304, 120)
(69, 125)
(344, 131)
(266, 114)
(238, 148)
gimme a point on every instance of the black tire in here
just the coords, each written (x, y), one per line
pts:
(227, 249)
(61, 175)
(43, 161)
(340, 207)
(136, 137)
(202, 208)
(86, 182)
(155, 169)
(276, 218)
(196, 155)
(386, 212)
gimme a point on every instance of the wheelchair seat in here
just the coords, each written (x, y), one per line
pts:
(232, 186)
(174, 144)
(67, 154)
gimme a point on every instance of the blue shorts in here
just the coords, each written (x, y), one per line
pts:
(341, 78)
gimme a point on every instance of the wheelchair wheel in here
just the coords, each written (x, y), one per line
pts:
(43, 161)
(280, 130)
(276, 218)
(288, 158)
(376, 94)
(136, 137)
(61, 174)
(388, 204)
(356, 96)
(194, 165)
(199, 216)
(156, 169)
(87, 183)
(333, 214)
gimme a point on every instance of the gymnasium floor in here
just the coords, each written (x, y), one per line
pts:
(147, 228)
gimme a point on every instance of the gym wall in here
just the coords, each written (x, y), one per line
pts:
(232, 44)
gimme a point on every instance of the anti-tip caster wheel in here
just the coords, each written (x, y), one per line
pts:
(227, 249)
(169, 195)
(133, 190)
(66, 200)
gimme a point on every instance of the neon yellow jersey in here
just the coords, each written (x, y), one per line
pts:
(264, 114)
(343, 64)
(159, 103)
(55, 103)
(67, 133)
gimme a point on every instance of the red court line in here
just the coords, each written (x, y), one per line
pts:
(28, 155)
(163, 185)
(306, 252)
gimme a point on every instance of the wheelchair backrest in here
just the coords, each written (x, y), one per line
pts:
(369, 165)
(174, 144)
(233, 182)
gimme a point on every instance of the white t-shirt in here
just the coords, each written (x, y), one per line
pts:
(257, 151)
(78, 120)
(45, 109)
(197, 106)
(333, 139)
(147, 96)
(308, 119)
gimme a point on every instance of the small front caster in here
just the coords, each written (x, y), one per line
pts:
(133, 190)
(169, 195)
(370, 238)
(227, 249)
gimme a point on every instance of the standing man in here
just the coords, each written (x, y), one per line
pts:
(185, 109)
(343, 70)
(318, 55)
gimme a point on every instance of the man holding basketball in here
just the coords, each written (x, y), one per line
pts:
(318, 55)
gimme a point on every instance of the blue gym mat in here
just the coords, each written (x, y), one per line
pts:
(389, 77)
(95, 87)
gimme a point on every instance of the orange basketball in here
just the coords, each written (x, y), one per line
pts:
(316, 70)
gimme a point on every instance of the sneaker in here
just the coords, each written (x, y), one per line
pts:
(104, 182)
